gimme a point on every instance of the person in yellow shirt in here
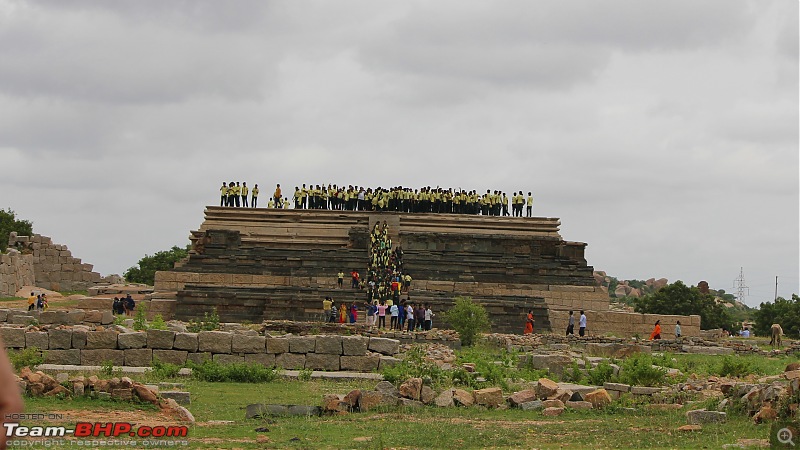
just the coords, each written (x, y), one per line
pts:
(271, 203)
(32, 302)
(223, 194)
(529, 209)
(254, 193)
(244, 193)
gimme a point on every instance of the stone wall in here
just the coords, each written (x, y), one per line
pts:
(623, 324)
(140, 348)
(16, 270)
(54, 266)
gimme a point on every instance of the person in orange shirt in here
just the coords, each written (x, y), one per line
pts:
(277, 195)
(656, 334)
(529, 322)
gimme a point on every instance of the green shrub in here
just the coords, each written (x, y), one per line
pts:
(162, 370)
(468, 318)
(639, 370)
(735, 367)
(158, 323)
(213, 371)
(210, 322)
(305, 375)
(573, 374)
(28, 357)
(140, 319)
(600, 374)
(107, 368)
(414, 365)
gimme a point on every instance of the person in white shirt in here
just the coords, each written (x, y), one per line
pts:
(428, 318)
(394, 311)
(582, 324)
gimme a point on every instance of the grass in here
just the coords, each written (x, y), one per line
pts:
(427, 427)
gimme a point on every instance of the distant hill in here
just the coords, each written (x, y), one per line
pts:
(623, 292)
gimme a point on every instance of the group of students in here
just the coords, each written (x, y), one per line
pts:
(405, 315)
(123, 306)
(235, 196)
(656, 334)
(37, 302)
(402, 199)
(399, 199)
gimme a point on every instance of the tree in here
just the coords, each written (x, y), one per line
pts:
(468, 318)
(145, 271)
(9, 223)
(679, 299)
(782, 311)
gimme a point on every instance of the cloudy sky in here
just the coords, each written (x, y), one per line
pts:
(663, 134)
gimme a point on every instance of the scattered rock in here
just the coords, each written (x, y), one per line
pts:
(690, 428)
(463, 398)
(598, 398)
(545, 388)
(553, 411)
(411, 388)
(445, 399)
(701, 416)
(766, 413)
(578, 405)
(489, 397)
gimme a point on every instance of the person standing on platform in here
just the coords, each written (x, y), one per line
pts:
(528, 322)
(342, 313)
(410, 317)
(223, 195)
(340, 279)
(277, 195)
(428, 324)
(529, 209)
(244, 193)
(254, 198)
(678, 330)
(582, 324)
(571, 325)
(230, 194)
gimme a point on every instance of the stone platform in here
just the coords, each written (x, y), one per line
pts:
(257, 264)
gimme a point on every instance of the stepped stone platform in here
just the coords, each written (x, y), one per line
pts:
(273, 264)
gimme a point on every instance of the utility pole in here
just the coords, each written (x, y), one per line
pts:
(776, 288)
(740, 286)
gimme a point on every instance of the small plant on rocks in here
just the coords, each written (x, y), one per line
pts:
(28, 357)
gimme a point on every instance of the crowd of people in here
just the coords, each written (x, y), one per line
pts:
(37, 302)
(123, 306)
(403, 316)
(398, 199)
(235, 195)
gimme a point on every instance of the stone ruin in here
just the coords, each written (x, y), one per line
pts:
(272, 264)
(36, 260)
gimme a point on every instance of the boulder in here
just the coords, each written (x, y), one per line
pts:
(792, 366)
(411, 388)
(241, 343)
(445, 399)
(132, 340)
(553, 404)
(186, 341)
(578, 405)
(384, 346)
(371, 400)
(489, 397)
(331, 345)
(553, 411)
(214, 341)
(302, 344)
(463, 398)
(517, 398)
(387, 388)
(598, 398)
(160, 339)
(321, 361)
(545, 388)
(701, 416)
(277, 345)
(60, 339)
(354, 345)
(409, 403)
(427, 395)
(531, 406)
(562, 395)
(766, 413)
(360, 363)
(144, 394)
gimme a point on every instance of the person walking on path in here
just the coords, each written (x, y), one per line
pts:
(528, 322)
(656, 334)
(678, 330)
(382, 315)
(582, 324)
(571, 325)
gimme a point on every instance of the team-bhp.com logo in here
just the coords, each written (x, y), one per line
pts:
(97, 429)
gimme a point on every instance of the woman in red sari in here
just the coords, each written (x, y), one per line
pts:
(529, 323)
